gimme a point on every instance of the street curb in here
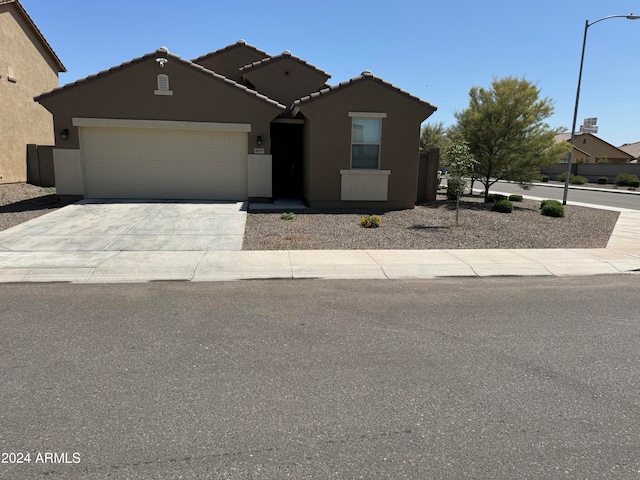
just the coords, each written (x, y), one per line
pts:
(573, 187)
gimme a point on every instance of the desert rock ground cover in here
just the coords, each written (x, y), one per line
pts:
(433, 227)
(424, 227)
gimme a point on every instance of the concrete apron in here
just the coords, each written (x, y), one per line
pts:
(109, 264)
(121, 225)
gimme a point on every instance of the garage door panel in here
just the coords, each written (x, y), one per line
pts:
(154, 163)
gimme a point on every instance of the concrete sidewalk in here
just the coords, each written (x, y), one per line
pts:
(622, 255)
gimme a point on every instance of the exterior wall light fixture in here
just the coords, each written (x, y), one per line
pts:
(64, 134)
(259, 140)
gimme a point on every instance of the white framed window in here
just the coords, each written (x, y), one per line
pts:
(366, 137)
(163, 85)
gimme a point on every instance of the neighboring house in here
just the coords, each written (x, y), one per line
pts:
(590, 149)
(28, 66)
(632, 149)
(236, 124)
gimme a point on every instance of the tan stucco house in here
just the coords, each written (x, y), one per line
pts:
(28, 66)
(236, 124)
(590, 149)
(633, 149)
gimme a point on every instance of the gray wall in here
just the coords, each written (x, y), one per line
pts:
(40, 165)
(428, 175)
(593, 171)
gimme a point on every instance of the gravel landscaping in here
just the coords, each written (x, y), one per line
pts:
(20, 202)
(424, 227)
(433, 227)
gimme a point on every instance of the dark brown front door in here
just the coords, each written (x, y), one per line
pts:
(286, 152)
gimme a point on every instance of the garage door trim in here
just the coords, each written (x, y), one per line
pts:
(161, 124)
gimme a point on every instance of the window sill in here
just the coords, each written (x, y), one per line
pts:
(365, 171)
(166, 93)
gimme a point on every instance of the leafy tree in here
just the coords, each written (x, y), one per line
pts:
(504, 127)
(461, 164)
(433, 135)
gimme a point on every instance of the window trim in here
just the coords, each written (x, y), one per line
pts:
(367, 115)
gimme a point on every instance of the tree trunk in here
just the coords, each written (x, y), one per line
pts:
(457, 207)
(486, 192)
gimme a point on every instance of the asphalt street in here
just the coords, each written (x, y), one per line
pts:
(445, 379)
(595, 197)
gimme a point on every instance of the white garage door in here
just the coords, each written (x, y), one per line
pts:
(163, 163)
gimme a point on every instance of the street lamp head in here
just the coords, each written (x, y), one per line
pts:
(633, 17)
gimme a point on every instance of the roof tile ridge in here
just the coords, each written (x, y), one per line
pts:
(94, 76)
(239, 43)
(364, 76)
(196, 66)
(284, 55)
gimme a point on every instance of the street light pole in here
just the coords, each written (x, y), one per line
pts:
(575, 110)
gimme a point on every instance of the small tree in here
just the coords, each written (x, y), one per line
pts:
(504, 127)
(433, 135)
(461, 164)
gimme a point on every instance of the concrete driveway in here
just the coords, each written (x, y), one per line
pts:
(132, 225)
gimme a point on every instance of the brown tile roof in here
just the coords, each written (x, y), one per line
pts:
(171, 56)
(563, 137)
(38, 33)
(239, 44)
(632, 149)
(365, 76)
(567, 137)
(286, 55)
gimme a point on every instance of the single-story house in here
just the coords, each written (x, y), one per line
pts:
(236, 124)
(590, 149)
(632, 149)
(28, 67)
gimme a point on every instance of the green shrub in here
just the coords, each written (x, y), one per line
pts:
(562, 177)
(602, 180)
(544, 178)
(623, 179)
(544, 203)
(553, 209)
(502, 206)
(496, 197)
(370, 221)
(288, 216)
(455, 187)
(578, 180)
(515, 198)
(634, 183)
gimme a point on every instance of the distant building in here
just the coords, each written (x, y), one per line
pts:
(590, 149)
(632, 149)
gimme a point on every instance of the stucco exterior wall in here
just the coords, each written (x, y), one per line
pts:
(259, 181)
(597, 149)
(128, 93)
(286, 80)
(68, 171)
(329, 143)
(228, 62)
(22, 121)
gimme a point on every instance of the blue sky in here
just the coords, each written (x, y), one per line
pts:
(436, 50)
